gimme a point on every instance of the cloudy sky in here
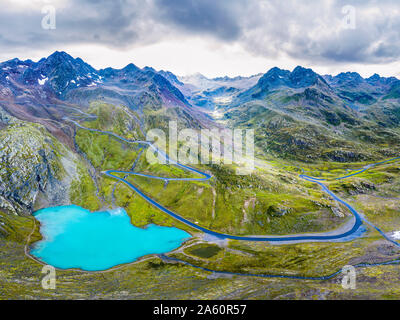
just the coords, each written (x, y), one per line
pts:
(213, 37)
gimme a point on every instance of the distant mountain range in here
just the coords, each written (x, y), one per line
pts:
(297, 114)
(32, 90)
(59, 74)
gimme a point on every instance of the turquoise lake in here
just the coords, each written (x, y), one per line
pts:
(74, 237)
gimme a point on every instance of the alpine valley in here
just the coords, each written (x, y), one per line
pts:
(325, 192)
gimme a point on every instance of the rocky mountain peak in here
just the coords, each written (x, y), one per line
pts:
(303, 77)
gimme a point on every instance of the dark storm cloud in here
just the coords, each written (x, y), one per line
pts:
(220, 18)
(311, 31)
(108, 22)
(316, 32)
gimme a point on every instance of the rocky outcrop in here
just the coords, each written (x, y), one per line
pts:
(31, 164)
(344, 156)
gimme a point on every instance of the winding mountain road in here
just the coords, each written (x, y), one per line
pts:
(326, 236)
